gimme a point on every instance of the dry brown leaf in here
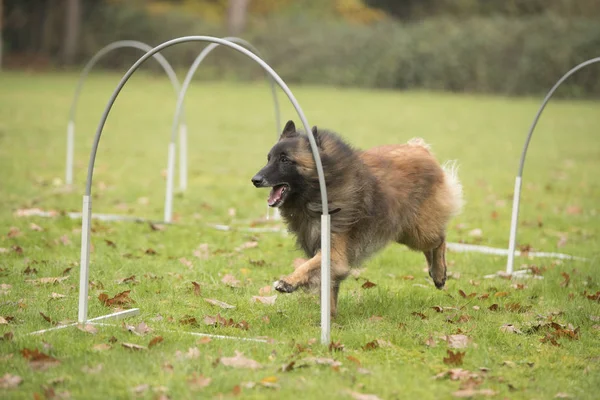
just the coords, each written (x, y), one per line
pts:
(247, 245)
(430, 342)
(9, 381)
(239, 361)
(119, 299)
(270, 300)
(38, 360)
(157, 227)
(371, 345)
(132, 346)
(454, 358)
(368, 284)
(101, 347)
(155, 340)
(48, 280)
(457, 341)
(219, 303)
(47, 318)
(56, 296)
(198, 381)
(35, 227)
(186, 262)
(3, 321)
(202, 251)
(509, 328)
(362, 396)
(192, 354)
(129, 279)
(30, 271)
(264, 290)
(88, 328)
(230, 280)
(13, 232)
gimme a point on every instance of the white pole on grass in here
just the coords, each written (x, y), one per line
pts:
(325, 218)
(517, 193)
(183, 132)
(86, 70)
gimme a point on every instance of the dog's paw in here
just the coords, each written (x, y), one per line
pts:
(283, 286)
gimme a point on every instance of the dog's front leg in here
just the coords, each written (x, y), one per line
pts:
(300, 276)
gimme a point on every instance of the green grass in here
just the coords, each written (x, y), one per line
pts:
(231, 127)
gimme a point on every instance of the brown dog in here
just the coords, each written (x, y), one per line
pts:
(388, 193)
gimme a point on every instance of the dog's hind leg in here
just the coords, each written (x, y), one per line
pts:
(436, 258)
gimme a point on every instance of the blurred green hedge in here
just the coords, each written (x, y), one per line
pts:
(502, 55)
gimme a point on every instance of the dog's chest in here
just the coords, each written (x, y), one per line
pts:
(307, 231)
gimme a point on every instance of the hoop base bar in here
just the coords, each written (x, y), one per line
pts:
(325, 279)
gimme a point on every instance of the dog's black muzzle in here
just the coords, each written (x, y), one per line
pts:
(259, 181)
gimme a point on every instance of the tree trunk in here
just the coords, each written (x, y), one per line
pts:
(236, 16)
(73, 18)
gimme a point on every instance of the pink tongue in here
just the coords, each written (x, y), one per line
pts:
(275, 194)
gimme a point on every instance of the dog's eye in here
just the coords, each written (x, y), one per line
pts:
(283, 158)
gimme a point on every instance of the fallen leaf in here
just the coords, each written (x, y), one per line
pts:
(501, 294)
(141, 389)
(157, 227)
(155, 340)
(64, 239)
(57, 296)
(101, 347)
(509, 328)
(239, 361)
(198, 381)
(219, 303)
(30, 271)
(457, 341)
(204, 340)
(375, 318)
(202, 251)
(333, 346)
(17, 249)
(368, 284)
(47, 318)
(362, 396)
(119, 299)
(129, 279)
(230, 280)
(13, 232)
(187, 320)
(247, 245)
(8, 336)
(151, 252)
(430, 342)
(38, 360)
(9, 381)
(132, 346)
(418, 314)
(438, 309)
(354, 360)
(264, 300)
(454, 358)
(476, 233)
(264, 290)
(186, 262)
(257, 263)
(493, 307)
(48, 280)
(88, 328)
(371, 345)
(197, 289)
(567, 280)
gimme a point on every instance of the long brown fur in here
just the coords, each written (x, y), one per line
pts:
(393, 193)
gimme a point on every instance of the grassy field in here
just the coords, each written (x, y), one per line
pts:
(394, 337)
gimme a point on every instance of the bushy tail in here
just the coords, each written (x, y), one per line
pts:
(454, 186)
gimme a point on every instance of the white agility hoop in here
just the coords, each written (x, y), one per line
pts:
(87, 203)
(186, 84)
(512, 241)
(83, 76)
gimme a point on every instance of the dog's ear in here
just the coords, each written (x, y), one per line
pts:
(289, 130)
(316, 135)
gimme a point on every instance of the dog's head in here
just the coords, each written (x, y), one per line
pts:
(289, 166)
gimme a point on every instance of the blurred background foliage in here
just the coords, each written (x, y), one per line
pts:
(493, 46)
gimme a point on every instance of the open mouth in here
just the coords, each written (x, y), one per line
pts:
(278, 195)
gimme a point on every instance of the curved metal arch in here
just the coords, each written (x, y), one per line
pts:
(325, 218)
(186, 84)
(166, 66)
(168, 212)
(517, 192)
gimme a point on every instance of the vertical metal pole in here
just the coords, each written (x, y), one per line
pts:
(513, 226)
(183, 157)
(84, 266)
(170, 175)
(325, 279)
(70, 152)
